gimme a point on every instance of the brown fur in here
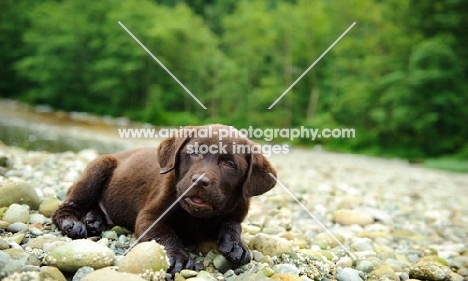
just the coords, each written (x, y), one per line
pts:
(134, 188)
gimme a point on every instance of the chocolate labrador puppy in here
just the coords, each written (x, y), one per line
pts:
(135, 188)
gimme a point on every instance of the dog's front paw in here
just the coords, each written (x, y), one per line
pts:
(179, 260)
(73, 229)
(93, 222)
(234, 250)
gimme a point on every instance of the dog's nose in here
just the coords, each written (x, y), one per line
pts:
(203, 181)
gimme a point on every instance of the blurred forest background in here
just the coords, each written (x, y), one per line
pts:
(398, 77)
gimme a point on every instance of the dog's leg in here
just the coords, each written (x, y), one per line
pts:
(83, 197)
(230, 243)
(163, 234)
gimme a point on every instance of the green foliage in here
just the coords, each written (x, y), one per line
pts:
(13, 23)
(100, 68)
(448, 164)
(397, 78)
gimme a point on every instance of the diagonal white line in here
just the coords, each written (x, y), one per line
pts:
(312, 65)
(162, 215)
(315, 218)
(162, 65)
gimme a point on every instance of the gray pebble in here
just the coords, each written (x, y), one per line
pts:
(109, 235)
(365, 254)
(257, 256)
(238, 271)
(4, 245)
(40, 242)
(71, 256)
(62, 194)
(221, 263)
(270, 244)
(23, 258)
(82, 272)
(49, 206)
(383, 272)
(37, 218)
(17, 227)
(16, 213)
(204, 275)
(14, 245)
(349, 217)
(348, 274)
(459, 262)
(229, 274)
(108, 274)
(463, 271)
(272, 229)
(30, 268)
(265, 270)
(4, 224)
(362, 244)
(24, 276)
(413, 257)
(251, 229)
(19, 193)
(365, 266)
(104, 241)
(250, 277)
(52, 273)
(146, 259)
(33, 260)
(456, 277)
(344, 262)
(35, 231)
(210, 257)
(123, 239)
(8, 265)
(187, 273)
(286, 268)
(429, 271)
(395, 262)
(403, 276)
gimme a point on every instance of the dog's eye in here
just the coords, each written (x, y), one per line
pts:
(229, 164)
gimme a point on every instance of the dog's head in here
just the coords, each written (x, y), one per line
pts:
(214, 171)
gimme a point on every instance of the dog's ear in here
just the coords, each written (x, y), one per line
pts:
(258, 179)
(168, 151)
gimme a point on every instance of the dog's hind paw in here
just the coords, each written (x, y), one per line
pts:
(73, 229)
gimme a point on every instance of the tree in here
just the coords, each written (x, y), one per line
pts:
(13, 23)
(81, 59)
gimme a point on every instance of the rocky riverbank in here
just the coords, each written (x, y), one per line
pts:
(395, 221)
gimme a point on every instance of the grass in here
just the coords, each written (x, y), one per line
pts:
(448, 164)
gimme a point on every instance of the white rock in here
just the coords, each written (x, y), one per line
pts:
(349, 217)
(78, 253)
(16, 213)
(146, 259)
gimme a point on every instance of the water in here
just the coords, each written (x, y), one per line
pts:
(42, 137)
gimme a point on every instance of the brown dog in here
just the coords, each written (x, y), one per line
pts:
(134, 188)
